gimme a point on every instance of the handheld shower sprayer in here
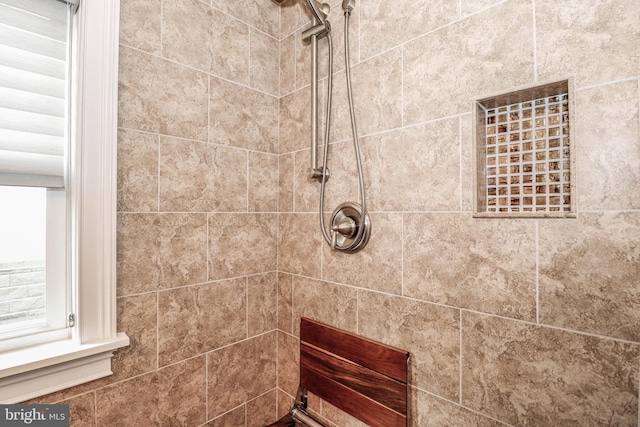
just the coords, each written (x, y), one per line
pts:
(319, 11)
(350, 225)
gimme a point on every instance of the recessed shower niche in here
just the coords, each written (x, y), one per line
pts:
(524, 153)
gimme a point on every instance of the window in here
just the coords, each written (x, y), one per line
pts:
(58, 152)
(34, 88)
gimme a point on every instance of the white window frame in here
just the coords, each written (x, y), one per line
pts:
(46, 368)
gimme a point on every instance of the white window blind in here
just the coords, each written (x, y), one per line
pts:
(33, 92)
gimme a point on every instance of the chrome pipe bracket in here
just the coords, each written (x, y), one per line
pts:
(318, 30)
(319, 173)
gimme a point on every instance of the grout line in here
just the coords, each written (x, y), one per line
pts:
(249, 76)
(535, 42)
(460, 365)
(161, 30)
(466, 408)
(468, 310)
(206, 386)
(537, 242)
(248, 187)
(95, 406)
(358, 311)
(403, 119)
(602, 84)
(246, 306)
(157, 295)
(403, 243)
(198, 70)
(202, 141)
(208, 267)
(460, 159)
(158, 175)
(209, 136)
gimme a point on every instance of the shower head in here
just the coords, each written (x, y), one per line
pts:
(319, 11)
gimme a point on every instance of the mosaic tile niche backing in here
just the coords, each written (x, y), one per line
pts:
(524, 153)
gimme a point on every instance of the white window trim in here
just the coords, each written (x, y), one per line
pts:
(43, 369)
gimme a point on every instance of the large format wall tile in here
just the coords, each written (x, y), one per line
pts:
(201, 177)
(339, 417)
(608, 147)
(467, 147)
(235, 418)
(597, 40)
(430, 411)
(261, 15)
(531, 375)
(445, 70)
(590, 274)
(303, 65)
(479, 264)
(140, 24)
(286, 182)
(261, 411)
(415, 168)
(263, 182)
(378, 265)
(204, 38)
(137, 171)
(262, 305)
(376, 85)
(299, 243)
(341, 186)
(295, 113)
(138, 315)
(242, 117)
(124, 401)
(264, 64)
(240, 372)
(429, 332)
(175, 395)
(294, 14)
(306, 194)
(401, 20)
(288, 48)
(288, 363)
(469, 7)
(182, 393)
(159, 96)
(285, 302)
(190, 319)
(324, 302)
(82, 410)
(233, 243)
(159, 251)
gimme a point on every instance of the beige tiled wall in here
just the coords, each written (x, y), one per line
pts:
(197, 219)
(509, 321)
(520, 322)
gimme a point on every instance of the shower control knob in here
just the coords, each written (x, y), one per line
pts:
(350, 229)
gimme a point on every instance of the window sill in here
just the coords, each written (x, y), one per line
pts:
(39, 370)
